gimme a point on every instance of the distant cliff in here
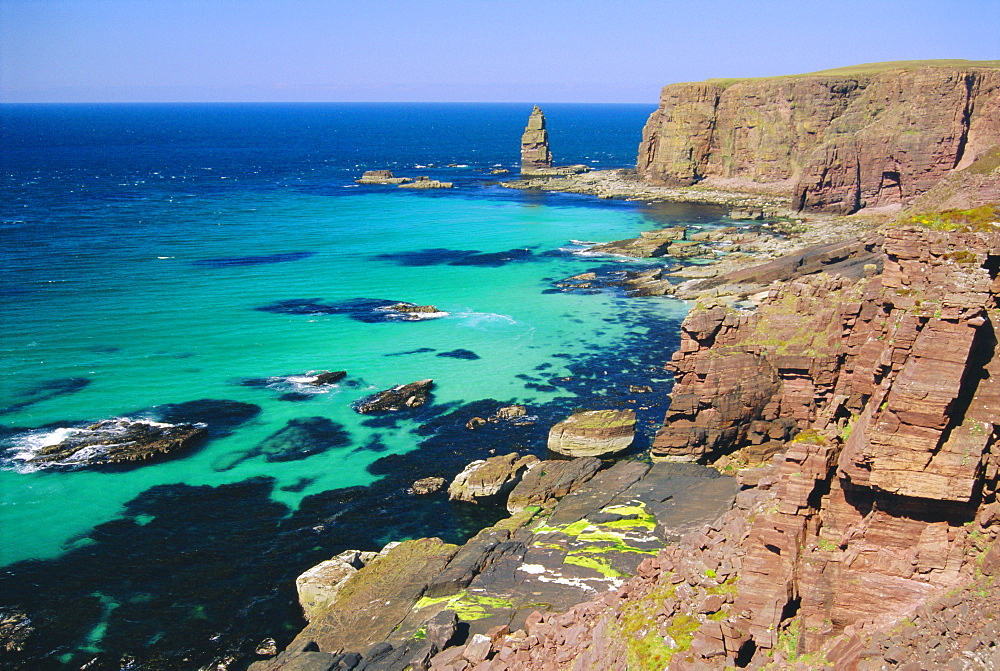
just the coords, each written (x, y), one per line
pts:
(840, 140)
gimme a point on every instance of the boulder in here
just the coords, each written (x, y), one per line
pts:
(510, 412)
(490, 478)
(119, 441)
(593, 433)
(426, 486)
(318, 587)
(400, 397)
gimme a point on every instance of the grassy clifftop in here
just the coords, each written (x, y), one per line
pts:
(872, 69)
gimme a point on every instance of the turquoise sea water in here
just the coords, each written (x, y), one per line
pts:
(181, 263)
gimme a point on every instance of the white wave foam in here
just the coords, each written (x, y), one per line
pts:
(484, 320)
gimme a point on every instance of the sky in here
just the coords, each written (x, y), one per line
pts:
(455, 50)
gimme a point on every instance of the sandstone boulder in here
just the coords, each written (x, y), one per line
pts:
(489, 478)
(351, 621)
(593, 433)
(318, 587)
(426, 486)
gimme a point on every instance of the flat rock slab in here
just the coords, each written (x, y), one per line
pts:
(681, 496)
(598, 492)
(548, 480)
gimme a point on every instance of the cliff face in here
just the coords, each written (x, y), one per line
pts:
(833, 142)
(893, 383)
(881, 507)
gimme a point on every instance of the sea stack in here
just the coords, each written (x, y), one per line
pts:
(535, 154)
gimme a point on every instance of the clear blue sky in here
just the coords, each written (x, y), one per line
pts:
(456, 50)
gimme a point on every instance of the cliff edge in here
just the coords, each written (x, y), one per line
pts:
(871, 136)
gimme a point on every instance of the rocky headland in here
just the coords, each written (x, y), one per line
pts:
(823, 491)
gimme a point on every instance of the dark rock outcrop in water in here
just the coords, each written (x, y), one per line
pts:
(118, 442)
(864, 137)
(400, 397)
(368, 310)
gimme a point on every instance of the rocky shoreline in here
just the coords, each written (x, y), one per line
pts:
(837, 375)
(822, 380)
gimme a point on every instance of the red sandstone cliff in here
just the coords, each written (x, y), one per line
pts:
(882, 507)
(832, 141)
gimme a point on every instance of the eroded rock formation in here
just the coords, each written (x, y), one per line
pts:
(535, 153)
(833, 141)
(593, 433)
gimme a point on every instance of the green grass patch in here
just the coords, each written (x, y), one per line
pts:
(960, 221)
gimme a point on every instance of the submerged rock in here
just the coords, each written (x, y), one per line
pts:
(15, 628)
(302, 437)
(118, 441)
(593, 433)
(402, 396)
(489, 478)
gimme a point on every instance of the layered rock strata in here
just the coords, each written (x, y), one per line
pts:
(832, 141)
(881, 507)
(535, 153)
(593, 433)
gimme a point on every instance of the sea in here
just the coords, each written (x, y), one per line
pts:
(202, 263)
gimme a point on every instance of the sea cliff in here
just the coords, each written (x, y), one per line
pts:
(841, 140)
(845, 396)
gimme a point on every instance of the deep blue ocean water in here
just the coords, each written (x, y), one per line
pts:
(190, 263)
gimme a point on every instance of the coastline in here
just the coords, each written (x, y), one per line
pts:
(782, 230)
